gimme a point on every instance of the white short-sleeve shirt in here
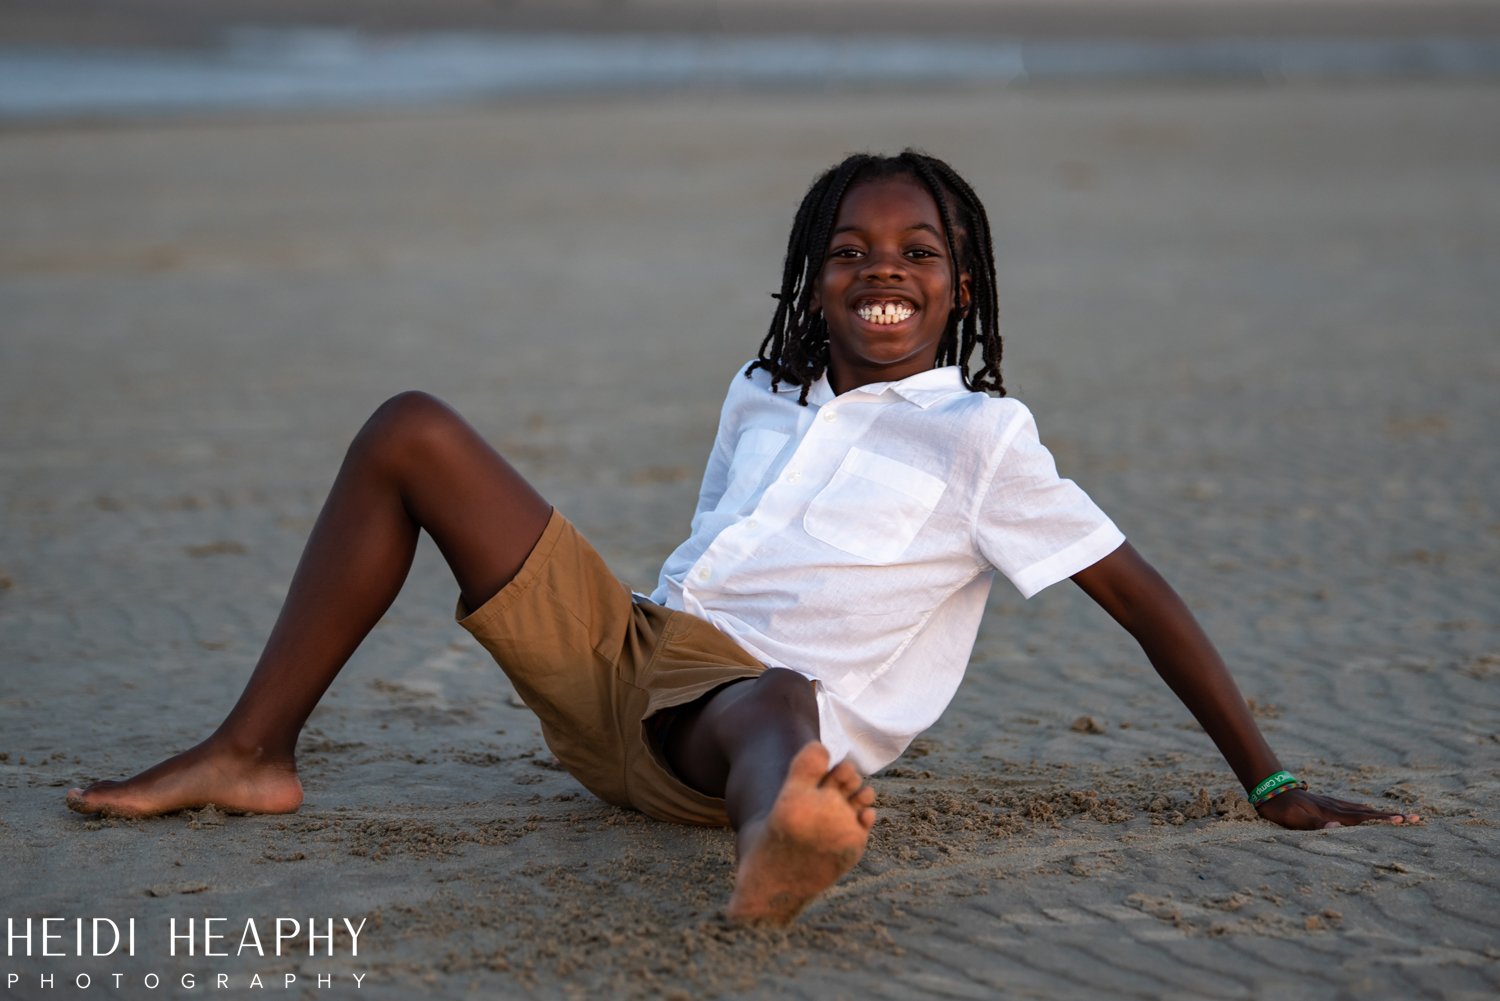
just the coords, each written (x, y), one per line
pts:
(854, 541)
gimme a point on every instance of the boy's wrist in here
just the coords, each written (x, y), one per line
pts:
(1272, 786)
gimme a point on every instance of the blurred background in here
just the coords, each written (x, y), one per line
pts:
(79, 58)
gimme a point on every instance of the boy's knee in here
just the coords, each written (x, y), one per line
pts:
(779, 698)
(408, 424)
(780, 685)
(411, 405)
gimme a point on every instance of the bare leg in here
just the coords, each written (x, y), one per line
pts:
(799, 824)
(414, 465)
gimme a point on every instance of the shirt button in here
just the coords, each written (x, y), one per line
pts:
(829, 415)
(752, 523)
(793, 476)
(703, 573)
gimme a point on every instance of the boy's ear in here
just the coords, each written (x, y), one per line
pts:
(965, 294)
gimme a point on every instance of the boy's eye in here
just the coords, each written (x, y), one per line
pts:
(850, 253)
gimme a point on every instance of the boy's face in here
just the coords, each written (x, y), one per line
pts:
(886, 288)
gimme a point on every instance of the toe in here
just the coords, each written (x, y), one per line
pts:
(809, 766)
(845, 778)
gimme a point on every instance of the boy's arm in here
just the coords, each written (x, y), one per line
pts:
(1139, 599)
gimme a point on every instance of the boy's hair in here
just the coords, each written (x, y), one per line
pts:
(795, 349)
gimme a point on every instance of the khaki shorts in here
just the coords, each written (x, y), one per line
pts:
(596, 665)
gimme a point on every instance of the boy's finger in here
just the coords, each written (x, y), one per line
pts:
(1353, 807)
(1364, 814)
(1348, 812)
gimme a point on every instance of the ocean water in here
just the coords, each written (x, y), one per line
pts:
(258, 69)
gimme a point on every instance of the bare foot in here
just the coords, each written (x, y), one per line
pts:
(195, 778)
(816, 831)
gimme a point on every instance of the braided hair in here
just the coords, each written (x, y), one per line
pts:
(795, 350)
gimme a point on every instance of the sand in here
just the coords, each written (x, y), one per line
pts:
(1257, 324)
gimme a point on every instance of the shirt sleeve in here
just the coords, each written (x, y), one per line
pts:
(721, 456)
(715, 482)
(1032, 525)
(715, 477)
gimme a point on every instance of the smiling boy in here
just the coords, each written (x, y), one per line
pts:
(862, 492)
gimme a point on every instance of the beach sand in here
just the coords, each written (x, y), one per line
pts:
(1257, 324)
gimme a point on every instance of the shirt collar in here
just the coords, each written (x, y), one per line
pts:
(923, 389)
(926, 388)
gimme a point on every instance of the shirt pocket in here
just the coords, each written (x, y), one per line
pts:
(756, 449)
(873, 507)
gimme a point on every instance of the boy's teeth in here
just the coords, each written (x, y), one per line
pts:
(884, 313)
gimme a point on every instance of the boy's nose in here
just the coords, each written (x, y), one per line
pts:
(884, 266)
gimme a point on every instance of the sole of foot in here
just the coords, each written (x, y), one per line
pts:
(814, 833)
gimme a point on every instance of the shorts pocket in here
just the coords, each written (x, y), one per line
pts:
(756, 449)
(873, 507)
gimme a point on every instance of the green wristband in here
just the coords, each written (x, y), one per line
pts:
(1265, 787)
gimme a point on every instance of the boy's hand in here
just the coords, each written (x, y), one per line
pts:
(1307, 811)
